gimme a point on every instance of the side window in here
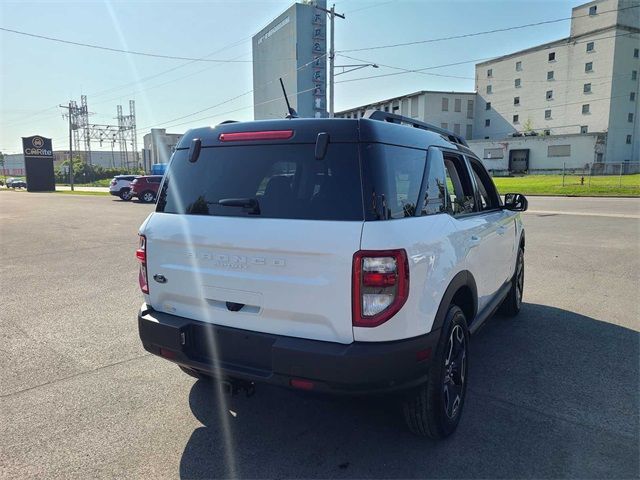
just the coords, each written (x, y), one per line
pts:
(459, 186)
(435, 190)
(489, 199)
(392, 178)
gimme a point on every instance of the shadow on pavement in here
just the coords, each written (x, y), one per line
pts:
(552, 394)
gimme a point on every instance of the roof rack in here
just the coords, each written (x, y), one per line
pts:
(400, 120)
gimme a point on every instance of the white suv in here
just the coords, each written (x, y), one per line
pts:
(120, 186)
(332, 255)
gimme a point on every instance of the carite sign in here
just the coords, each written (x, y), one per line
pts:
(38, 162)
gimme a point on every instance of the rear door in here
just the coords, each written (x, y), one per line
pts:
(283, 267)
(477, 231)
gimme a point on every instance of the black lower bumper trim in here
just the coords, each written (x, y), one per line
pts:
(224, 352)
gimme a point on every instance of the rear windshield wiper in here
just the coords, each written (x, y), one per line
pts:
(251, 204)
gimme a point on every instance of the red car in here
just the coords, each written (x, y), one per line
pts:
(146, 187)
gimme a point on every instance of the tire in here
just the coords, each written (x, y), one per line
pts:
(125, 194)
(513, 301)
(147, 196)
(434, 409)
(194, 373)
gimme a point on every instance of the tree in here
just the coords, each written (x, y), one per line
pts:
(528, 126)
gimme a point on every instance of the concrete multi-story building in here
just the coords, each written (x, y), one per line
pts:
(452, 111)
(585, 83)
(292, 47)
(158, 146)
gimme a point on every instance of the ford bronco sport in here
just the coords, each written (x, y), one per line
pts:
(345, 256)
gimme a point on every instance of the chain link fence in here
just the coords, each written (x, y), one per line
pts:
(603, 175)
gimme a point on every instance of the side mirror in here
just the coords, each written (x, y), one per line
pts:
(516, 202)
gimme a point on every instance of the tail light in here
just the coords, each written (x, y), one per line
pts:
(380, 285)
(141, 255)
(113, 183)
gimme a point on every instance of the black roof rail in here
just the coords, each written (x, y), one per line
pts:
(400, 120)
(228, 121)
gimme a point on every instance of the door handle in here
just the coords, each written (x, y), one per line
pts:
(474, 241)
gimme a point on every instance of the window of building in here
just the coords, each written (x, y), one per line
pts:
(586, 88)
(632, 96)
(559, 151)
(395, 108)
(493, 153)
(518, 82)
(590, 46)
(628, 139)
(593, 10)
(469, 108)
(516, 100)
(457, 105)
(636, 52)
(444, 125)
(550, 75)
(585, 108)
(588, 67)
(634, 75)
(445, 104)
(487, 122)
(516, 119)
(546, 132)
(489, 89)
(552, 56)
(456, 128)
(549, 94)
(487, 106)
(584, 129)
(518, 66)
(490, 73)
(469, 132)
(547, 114)
(630, 118)
(486, 138)
(386, 108)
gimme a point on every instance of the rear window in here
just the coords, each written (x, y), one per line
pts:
(286, 180)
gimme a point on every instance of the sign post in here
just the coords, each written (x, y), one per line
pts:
(38, 162)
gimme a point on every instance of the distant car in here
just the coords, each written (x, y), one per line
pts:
(16, 183)
(121, 186)
(146, 187)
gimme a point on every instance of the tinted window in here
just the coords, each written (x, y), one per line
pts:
(392, 177)
(486, 189)
(435, 190)
(154, 179)
(459, 187)
(286, 180)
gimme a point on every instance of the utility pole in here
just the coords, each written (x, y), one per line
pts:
(70, 113)
(332, 54)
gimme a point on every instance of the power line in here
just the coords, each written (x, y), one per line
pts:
(419, 70)
(475, 34)
(119, 50)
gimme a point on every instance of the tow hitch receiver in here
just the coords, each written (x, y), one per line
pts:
(235, 386)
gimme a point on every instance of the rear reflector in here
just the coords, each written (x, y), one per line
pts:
(170, 354)
(301, 384)
(249, 136)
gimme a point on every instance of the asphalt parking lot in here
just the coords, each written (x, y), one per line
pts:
(553, 393)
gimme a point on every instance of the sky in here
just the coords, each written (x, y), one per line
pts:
(37, 75)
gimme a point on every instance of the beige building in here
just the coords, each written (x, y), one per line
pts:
(449, 110)
(585, 83)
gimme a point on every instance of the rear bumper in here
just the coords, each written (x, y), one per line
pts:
(357, 368)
